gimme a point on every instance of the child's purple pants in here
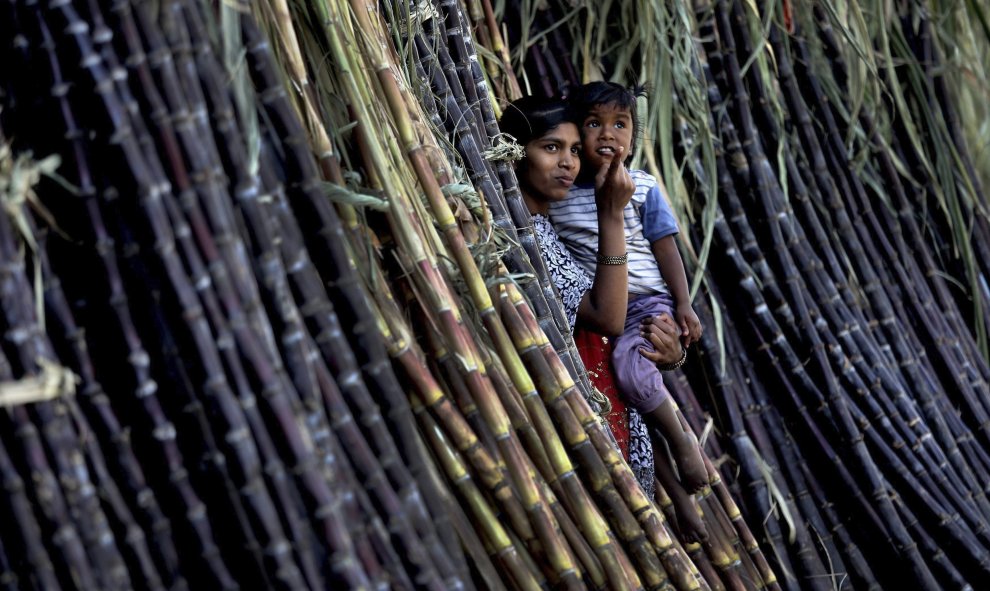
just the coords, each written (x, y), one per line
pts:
(639, 381)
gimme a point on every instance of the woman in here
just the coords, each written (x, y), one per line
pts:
(596, 307)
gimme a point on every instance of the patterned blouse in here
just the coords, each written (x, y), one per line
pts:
(572, 282)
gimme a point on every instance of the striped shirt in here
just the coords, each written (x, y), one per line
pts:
(647, 218)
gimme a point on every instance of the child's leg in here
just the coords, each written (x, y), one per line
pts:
(683, 445)
(641, 384)
(689, 524)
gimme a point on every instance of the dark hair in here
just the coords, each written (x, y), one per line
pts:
(531, 117)
(588, 96)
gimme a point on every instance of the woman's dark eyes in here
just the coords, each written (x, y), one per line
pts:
(554, 148)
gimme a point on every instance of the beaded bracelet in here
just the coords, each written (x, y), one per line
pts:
(612, 260)
(675, 365)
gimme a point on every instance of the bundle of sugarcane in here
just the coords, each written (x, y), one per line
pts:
(828, 163)
(228, 431)
(489, 383)
(456, 111)
(191, 269)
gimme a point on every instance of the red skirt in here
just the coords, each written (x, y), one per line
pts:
(596, 353)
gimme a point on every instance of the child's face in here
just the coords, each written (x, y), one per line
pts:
(604, 129)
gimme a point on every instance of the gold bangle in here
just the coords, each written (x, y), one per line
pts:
(612, 260)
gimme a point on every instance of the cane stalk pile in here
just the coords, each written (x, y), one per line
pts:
(274, 317)
(828, 161)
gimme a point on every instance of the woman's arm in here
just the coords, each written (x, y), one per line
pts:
(603, 307)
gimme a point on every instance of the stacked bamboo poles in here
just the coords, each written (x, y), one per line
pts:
(832, 177)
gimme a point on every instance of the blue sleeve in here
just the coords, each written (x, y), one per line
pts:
(658, 220)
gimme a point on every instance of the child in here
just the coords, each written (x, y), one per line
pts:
(657, 283)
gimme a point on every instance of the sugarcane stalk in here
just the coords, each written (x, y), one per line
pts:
(78, 568)
(551, 318)
(496, 43)
(466, 534)
(74, 492)
(651, 522)
(97, 407)
(477, 381)
(433, 397)
(346, 371)
(162, 427)
(624, 479)
(8, 578)
(497, 539)
(912, 285)
(577, 440)
(827, 310)
(915, 422)
(218, 277)
(162, 64)
(841, 408)
(465, 440)
(948, 571)
(374, 365)
(183, 293)
(907, 221)
(280, 16)
(108, 427)
(442, 211)
(592, 568)
(451, 98)
(861, 570)
(41, 569)
(135, 551)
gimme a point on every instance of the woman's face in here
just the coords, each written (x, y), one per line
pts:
(552, 162)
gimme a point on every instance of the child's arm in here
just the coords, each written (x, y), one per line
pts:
(659, 227)
(603, 307)
(672, 269)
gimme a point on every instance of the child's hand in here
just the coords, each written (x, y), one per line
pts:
(689, 324)
(613, 185)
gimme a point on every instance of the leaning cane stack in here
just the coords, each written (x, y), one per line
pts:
(273, 314)
(265, 328)
(829, 161)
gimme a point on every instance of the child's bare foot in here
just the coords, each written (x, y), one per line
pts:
(690, 463)
(689, 524)
(683, 445)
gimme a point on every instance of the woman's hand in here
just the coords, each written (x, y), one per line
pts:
(613, 185)
(665, 336)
